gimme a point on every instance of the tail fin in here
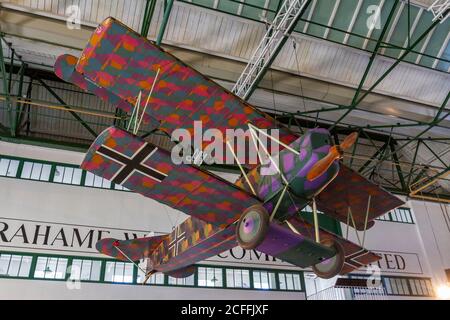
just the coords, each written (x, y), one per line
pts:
(135, 249)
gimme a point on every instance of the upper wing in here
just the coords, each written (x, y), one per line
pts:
(123, 62)
(129, 161)
(350, 189)
(65, 70)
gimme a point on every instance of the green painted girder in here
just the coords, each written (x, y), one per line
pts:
(339, 29)
(371, 61)
(434, 153)
(74, 114)
(19, 114)
(162, 28)
(148, 15)
(19, 94)
(435, 121)
(386, 73)
(6, 86)
(397, 166)
(416, 123)
(40, 142)
(413, 162)
(370, 40)
(374, 156)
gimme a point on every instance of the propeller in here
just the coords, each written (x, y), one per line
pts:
(336, 152)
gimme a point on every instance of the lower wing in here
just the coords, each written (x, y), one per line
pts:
(351, 190)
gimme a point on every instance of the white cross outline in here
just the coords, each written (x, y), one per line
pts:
(123, 165)
(350, 259)
(176, 240)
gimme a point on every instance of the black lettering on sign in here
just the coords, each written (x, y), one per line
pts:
(22, 233)
(127, 237)
(37, 235)
(221, 255)
(2, 232)
(259, 255)
(388, 262)
(76, 234)
(240, 258)
(100, 234)
(401, 264)
(61, 236)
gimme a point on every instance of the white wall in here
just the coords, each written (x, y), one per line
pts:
(11, 289)
(105, 213)
(419, 250)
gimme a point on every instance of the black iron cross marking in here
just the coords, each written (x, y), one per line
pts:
(133, 163)
(178, 236)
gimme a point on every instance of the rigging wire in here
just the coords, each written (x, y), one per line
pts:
(294, 44)
(433, 232)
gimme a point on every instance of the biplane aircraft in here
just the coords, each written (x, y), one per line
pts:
(258, 211)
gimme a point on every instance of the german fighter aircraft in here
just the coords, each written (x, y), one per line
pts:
(258, 211)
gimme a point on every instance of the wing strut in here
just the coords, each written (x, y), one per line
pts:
(316, 220)
(240, 167)
(135, 115)
(256, 138)
(350, 216)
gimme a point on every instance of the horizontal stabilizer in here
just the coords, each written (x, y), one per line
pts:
(134, 250)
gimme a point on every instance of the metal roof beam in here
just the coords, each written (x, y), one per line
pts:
(162, 28)
(74, 114)
(371, 61)
(148, 15)
(269, 47)
(433, 123)
(386, 73)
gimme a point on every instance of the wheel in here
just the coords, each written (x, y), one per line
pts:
(252, 227)
(331, 267)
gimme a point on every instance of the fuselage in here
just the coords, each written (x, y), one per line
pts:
(195, 240)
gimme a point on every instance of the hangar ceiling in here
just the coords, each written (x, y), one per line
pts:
(404, 120)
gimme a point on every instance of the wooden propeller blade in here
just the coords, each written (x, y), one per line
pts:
(335, 153)
(323, 164)
(349, 141)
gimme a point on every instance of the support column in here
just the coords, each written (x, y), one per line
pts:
(164, 22)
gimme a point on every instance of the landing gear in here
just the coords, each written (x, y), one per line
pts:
(331, 267)
(252, 227)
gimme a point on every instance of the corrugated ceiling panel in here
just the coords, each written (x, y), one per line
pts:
(217, 33)
(93, 11)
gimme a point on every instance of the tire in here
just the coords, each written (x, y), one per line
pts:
(252, 227)
(331, 267)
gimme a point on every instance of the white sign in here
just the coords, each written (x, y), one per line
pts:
(19, 234)
(399, 262)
